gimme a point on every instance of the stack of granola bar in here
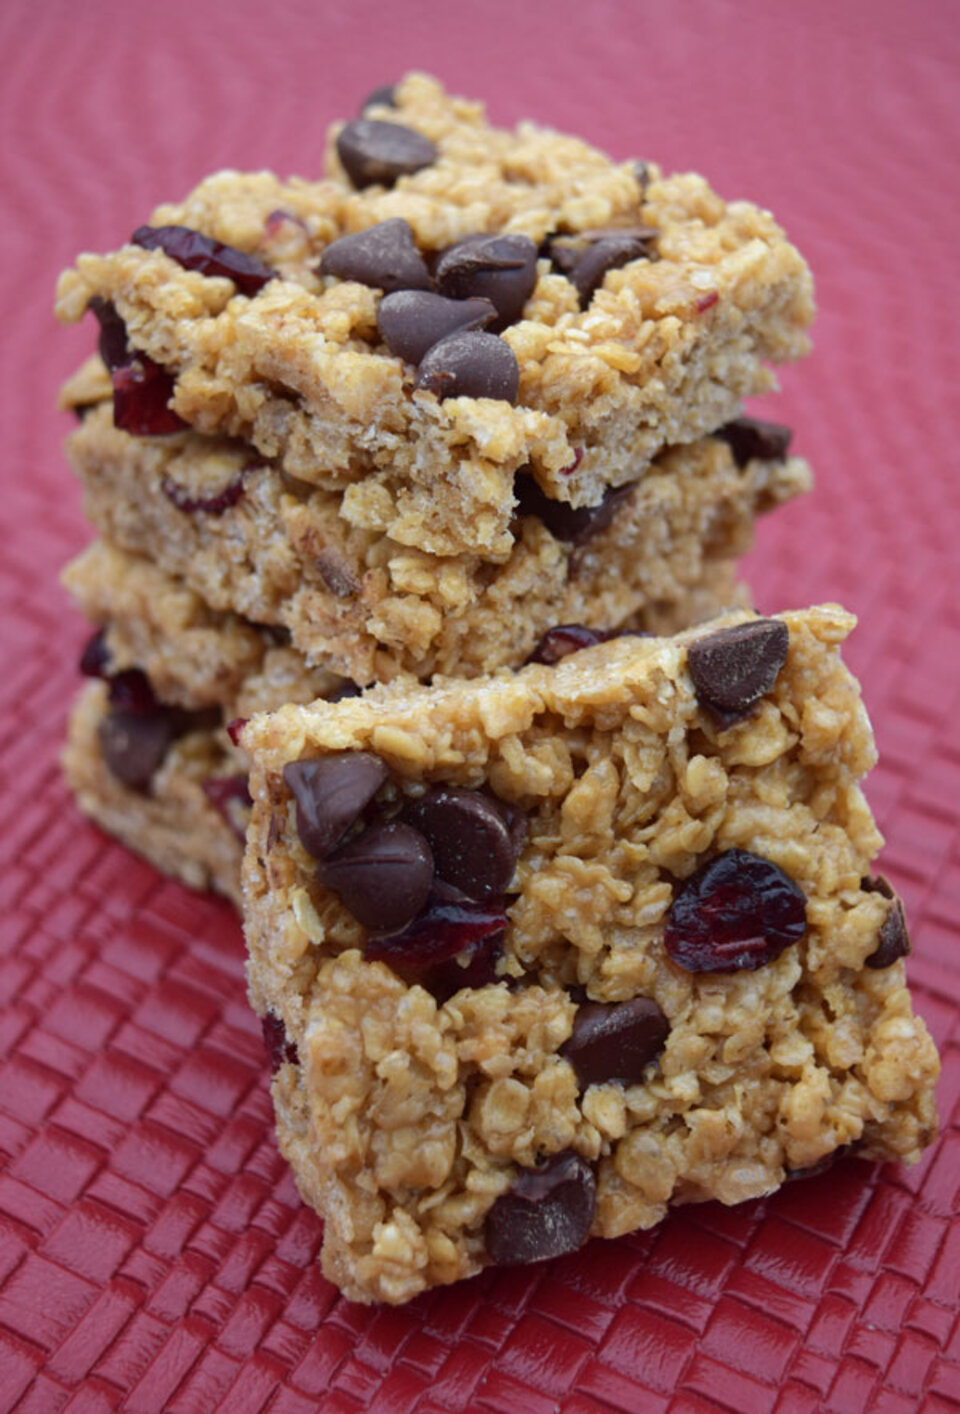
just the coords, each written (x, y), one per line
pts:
(403, 421)
(403, 478)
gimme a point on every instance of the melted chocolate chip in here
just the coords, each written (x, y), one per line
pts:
(572, 526)
(616, 1041)
(734, 668)
(736, 913)
(448, 925)
(586, 257)
(383, 876)
(195, 251)
(469, 836)
(548, 1212)
(412, 321)
(279, 1050)
(133, 745)
(383, 97)
(502, 269)
(470, 365)
(893, 940)
(564, 639)
(331, 793)
(748, 438)
(375, 152)
(383, 256)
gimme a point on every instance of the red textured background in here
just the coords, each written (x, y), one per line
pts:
(153, 1254)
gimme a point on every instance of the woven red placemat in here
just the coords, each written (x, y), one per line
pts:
(153, 1253)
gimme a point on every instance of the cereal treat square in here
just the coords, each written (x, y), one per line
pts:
(543, 954)
(362, 605)
(167, 786)
(454, 303)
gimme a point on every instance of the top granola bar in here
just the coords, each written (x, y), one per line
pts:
(350, 330)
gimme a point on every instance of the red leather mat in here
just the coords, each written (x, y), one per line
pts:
(153, 1253)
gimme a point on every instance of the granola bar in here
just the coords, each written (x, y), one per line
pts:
(453, 304)
(546, 953)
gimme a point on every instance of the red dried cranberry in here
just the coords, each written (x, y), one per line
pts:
(447, 926)
(736, 913)
(130, 691)
(563, 640)
(141, 393)
(95, 658)
(113, 346)
(449, 977)
(212, 505)
(230, 795)
(279, 1050)
(235, 727)
(195, 251)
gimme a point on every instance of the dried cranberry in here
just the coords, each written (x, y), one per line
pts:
(141, 393)
(736, 913)
(480, 970)
(212, 505)
(235, 727)
(563, 640)
(130, 691)
(230, 795)
(113, 345)
(279, 1050)
(95, 658)
(195, 251)
(447, 926)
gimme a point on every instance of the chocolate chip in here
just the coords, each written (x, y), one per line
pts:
(383, 97)
(345, 690)
(572, 526)
(412, 321)
(732, 669)
(133, 745)
(893, 940)
(383, 876)
(735, 913)
(331, 793)
(383, 256)
(616, 1041)
(502, 269)
(564, 639)
(820, 1166)
(375, 152)
(547, 1213)
(470, 365)
(748, 438)
(586, 256)
(469, 836)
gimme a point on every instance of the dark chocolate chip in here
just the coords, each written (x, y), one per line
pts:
(616, 1041)
(383, 97)
(383, 875)
(572, 526)
(345, 690)
(586, 256)
(748, 438)
(331, 793)
(564, 639)
(112, 344)
(893, 940)
(195, 251)
(736, 913)
(502, 269)
(448, 925)
(383, 256)
(95, 658)
(375, 152)
(470, 838)
(732, 669)
(279, 1050)
(470, 365)
(412, 321)
(548, 1212)
(133, 745)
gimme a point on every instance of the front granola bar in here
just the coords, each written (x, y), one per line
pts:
(546, 953)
